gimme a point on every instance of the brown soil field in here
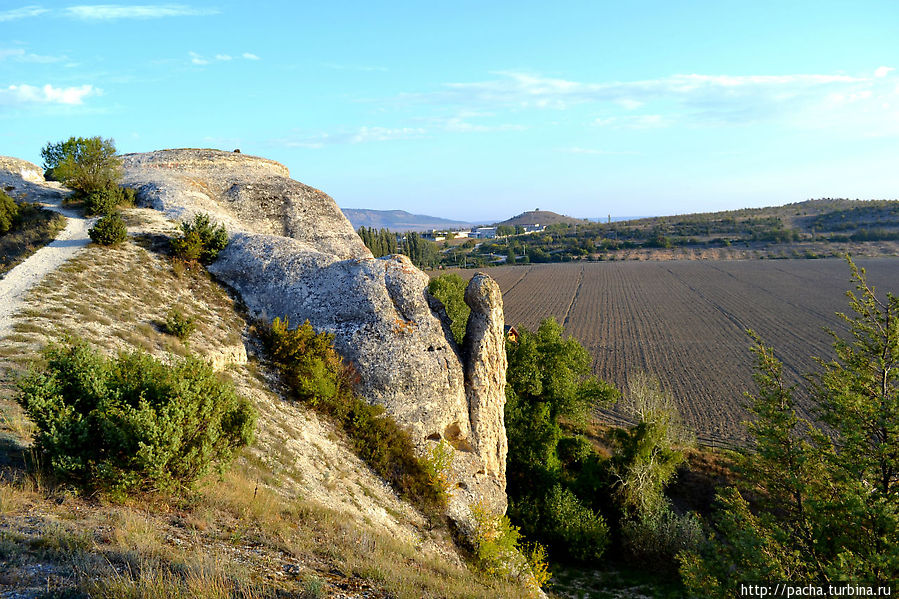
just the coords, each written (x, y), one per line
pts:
(685, 322)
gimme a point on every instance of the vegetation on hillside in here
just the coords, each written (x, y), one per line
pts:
(109, 230)
(201, 240)
(816, 227)
(132, 424)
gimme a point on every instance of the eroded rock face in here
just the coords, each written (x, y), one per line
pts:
(246, 193)
(292, 253)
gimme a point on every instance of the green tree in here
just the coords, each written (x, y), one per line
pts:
(649, 453)
(824, 506)
(450, 290)
(548, 380)
(85, 164)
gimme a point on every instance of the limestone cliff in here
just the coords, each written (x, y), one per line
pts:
(293, 253)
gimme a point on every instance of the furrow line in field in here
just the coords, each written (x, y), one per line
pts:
(577, 290)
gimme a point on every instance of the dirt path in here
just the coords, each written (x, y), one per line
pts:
(70, 241)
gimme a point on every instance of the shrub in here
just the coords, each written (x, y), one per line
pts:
(9, 210)
(132, 423)
(318, 376)
(201, 240)
(179, 325)
(106, 199)
(438, 466)
(656, 537)
(499, 551)
(109, 230)
(576, 529)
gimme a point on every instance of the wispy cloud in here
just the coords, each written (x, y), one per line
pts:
(22, 13)
(199, 59)
(798, 100)
(20, 55)
(361, 135)
(108, 12)
(48, 94)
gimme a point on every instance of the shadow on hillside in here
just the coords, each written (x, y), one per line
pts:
(12, 457)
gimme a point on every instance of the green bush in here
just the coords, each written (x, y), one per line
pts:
(179, 325)
(109, 230)
(657, 536)
(133, 423)
(106, 199)
(318, 376)
(9, 210)
(200, 241)
(576, 529)
(499, 551)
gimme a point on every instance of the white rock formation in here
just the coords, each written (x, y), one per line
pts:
(292, 253)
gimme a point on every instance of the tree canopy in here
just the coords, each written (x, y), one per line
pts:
(86, 164)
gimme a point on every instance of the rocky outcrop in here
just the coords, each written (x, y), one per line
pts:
(292, 253)
(245, 193)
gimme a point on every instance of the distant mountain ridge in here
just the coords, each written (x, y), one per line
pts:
(540, 217)
(399, 220)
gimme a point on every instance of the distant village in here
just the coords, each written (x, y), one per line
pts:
(482, 232)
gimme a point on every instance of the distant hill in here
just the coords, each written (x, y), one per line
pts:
(540, 217)
(399, 220)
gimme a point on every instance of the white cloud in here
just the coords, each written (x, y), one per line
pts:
(30, 94)
(199, 59)
(106, 12)
(366, 134)
(361, 135)
(20, 55)
(883, 71)
(22, 13)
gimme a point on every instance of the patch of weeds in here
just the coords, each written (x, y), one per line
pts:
(179, 325)
(59, 541)
(314, 587)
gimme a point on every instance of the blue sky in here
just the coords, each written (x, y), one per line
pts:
(480, 110)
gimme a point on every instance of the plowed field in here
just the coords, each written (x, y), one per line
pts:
(685, 322)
